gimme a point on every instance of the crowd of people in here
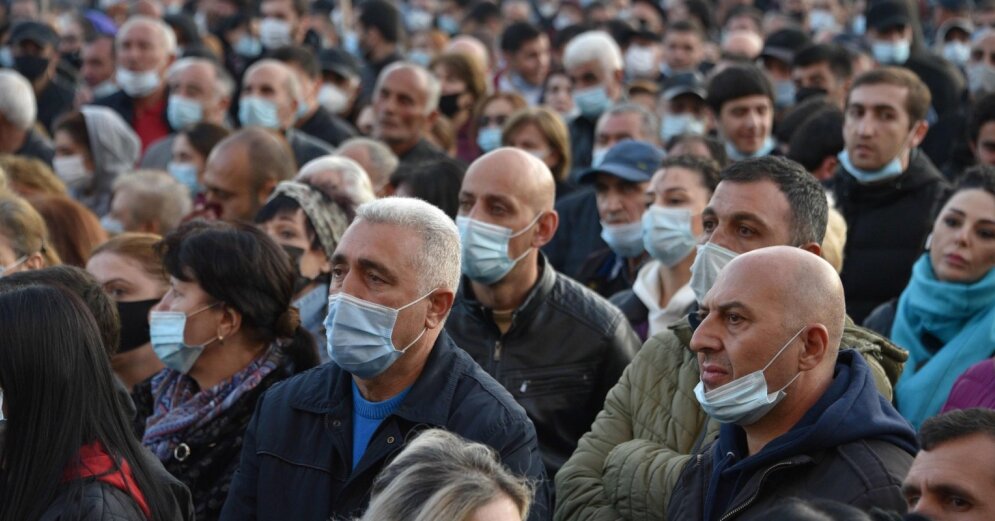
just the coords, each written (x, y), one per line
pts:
(497, 260)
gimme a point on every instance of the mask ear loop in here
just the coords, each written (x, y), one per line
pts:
(523, 230)
(786, 344)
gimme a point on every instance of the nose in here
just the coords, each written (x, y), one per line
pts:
(703, 338)
(927, 508)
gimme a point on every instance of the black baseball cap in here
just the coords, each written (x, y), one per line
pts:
(339, 62)
(36, 32)
(888, 14)
(685, 83)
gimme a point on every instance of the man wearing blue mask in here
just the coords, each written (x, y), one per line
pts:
(620, 185)
(742, 101)
(200, 90)
(556, 346)
(594, 62)
(270, 96)
(799, 413)
(316, 444)
(652, 422)
(886, 188)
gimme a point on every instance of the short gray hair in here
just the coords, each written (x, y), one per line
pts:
(167, 36)
(224, 85)
(440, 475)
(17, 105)
(649, 125)
(593, 45)
(158, 197)
(431, 82)
(356, 184)
(438, 262)
(383, 158)
(292, 84)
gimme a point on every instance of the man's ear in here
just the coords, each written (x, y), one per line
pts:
(816, 347)
(545, 229)
(439, 304)
(919, 133)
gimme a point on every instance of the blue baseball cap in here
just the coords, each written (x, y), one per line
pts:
(633, 161)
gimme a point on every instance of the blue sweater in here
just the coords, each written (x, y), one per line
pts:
(366, 417)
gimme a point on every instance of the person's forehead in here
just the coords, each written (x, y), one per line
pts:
(819, 67)
(406, 80)
(966, 461)
(762, 199)
(747, 285)
(195, 73)
(754, 101)
(387, 244)
(672, 177)
(266, 75)
(501, 177)
(229, 166)
(592, 66)
(625, 122)
(879, 94)
(987, 43)
(140, 32)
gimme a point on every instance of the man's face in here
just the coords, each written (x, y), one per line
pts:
(401, 117)
(876, 128)
(592, 74)
(281, 10)
(140, 49)
(270, 82)
(122, 206)
(531, 61)
(491, 196)
(983, 51)
(620, 201)
(32, 48)
(820, 76)
(98, 62)
(228, 183)
(375, 262)
(743, 328)
(742, 217)
(618, 127)
(954, 481)
(984, 147)
(197, 82)
(890, 34)
(682, 50)
(747, 122)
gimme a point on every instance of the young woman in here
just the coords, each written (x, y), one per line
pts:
(540, 132)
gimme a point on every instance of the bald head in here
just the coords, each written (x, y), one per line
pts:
(517, 174)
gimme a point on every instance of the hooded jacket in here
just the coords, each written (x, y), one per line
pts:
(852, 446)
(114, 147)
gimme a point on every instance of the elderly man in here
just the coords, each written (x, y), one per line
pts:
(405, 105)
(594, 62)
(145, 48)
(271, 95)
(242, 171)
(34, 47)
(555, 345)
(652, 422)
(341, 179)
(148, 201)
(800, 415)
(953, 476)
(316, 443)
(199, 90)
(98, 68)
(376, 159)
(17, 120)
(312, 118)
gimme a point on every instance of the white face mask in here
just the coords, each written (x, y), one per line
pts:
(71, 170)
(707, 266)
(274, 33)
(744, 400)
(332, 98)
(640, 62)
(137, 84)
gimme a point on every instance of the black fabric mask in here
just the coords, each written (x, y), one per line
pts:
(134, 324)
(804, 93)
(449, 104)
(31, 67)
(73, 58)
(300, 281)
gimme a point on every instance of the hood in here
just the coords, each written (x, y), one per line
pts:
(113, 144)
(851, 409)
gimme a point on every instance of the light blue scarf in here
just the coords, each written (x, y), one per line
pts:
(962, 316)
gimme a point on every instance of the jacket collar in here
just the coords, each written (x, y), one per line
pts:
(536, 296)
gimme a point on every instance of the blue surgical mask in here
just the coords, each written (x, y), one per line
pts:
(186, 174)
(676, 124)
(735, 155)
(302, 109)
(489, 139)
(889, 171)
(256, 111)
(350, 42)
(744, 400)
(447, 24)
(182, 112)
(485, 249)
(859, 25)
(248, 46)
(891, 53)
(419, 57)
(592, 101)
(111, 225)
(667, 234)
(957, 53)
(359, 334)
(626, 240)
(598, 156)
(166, 330)
(709, 262)
(784, 93)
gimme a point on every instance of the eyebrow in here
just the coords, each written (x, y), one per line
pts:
(372, 265)
(879, 106)
(964, 214)
(747, 216)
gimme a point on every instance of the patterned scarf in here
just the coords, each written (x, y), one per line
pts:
(179, 406)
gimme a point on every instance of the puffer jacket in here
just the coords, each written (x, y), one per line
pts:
(630, 461)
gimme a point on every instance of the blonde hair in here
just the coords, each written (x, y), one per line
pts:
(30, 176)
(834, 242)
(24, 229)
(551, 127)
(442, 476)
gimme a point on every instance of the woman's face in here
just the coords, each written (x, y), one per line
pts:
(676, 187)
(499, 509)
(124, 279)
(184, 153)
(963, 246)
(66, 146)
(289, 229)
(204, 312)
(559, 93)
(11, 262)
(529, 138)
(496, 113)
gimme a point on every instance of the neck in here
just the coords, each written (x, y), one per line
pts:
(510, 292)
(674, 278)
(152, 99)
(905, 157)
(402, 374)
(801, 396)
(633, 264)
(307, 115)
(382, 52)
(136, 366)
(220, 361)
(400, 149)
(39, 84)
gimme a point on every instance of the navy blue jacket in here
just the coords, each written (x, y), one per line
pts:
(297, 452)
(852, 446)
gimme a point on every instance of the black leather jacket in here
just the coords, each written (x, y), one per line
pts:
(565, 349)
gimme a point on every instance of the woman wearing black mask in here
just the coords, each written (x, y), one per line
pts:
(131, 273)
(463, 84)
(308, 226)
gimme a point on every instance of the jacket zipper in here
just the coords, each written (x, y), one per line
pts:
(756, 493)
(497, 351)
